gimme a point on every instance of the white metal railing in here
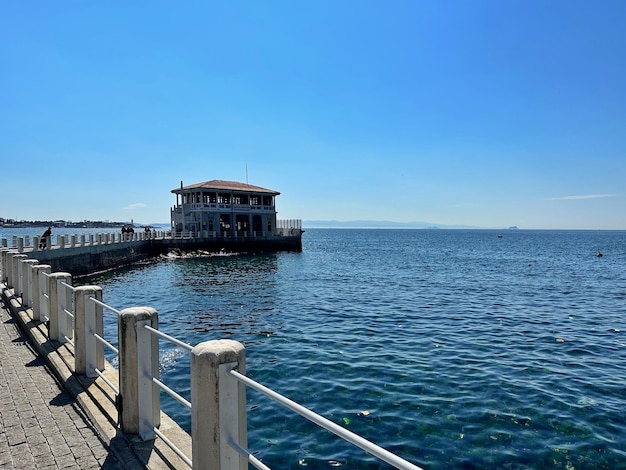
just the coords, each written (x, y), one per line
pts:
(218, 380)
(349, 436)
(43, 295)
(100, 340)
(288, 227)
(176, 396)
(66, 330)
(36, 243)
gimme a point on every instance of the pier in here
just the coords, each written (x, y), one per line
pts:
(82, 255)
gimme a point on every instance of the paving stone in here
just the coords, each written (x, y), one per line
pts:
(41, 426)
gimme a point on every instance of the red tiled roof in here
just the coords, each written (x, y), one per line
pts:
(221, 185)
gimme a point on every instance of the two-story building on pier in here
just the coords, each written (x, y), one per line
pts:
(229, 209)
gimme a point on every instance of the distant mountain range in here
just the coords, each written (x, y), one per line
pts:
(379, 224)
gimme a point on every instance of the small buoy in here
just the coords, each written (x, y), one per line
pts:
(599, 254)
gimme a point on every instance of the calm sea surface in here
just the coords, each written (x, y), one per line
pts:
(451, 348)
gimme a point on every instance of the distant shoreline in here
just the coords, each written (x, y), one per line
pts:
(62, 224)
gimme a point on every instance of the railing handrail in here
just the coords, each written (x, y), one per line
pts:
(248, 455)
(325, 423)
(107, 381)
(172, 446)
(106, 343)
(105, 306)
(169, 338)
(71, 287)
(179, 398)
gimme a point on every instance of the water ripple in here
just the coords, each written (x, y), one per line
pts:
(454, 349)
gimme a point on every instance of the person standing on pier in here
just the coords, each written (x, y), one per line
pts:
(44, 238)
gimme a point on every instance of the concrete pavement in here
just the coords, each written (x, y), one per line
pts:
(37, 383)
(41, 425)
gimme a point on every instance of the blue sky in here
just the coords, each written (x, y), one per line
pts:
(473, 112)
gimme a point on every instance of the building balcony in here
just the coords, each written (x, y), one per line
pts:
(220, 207)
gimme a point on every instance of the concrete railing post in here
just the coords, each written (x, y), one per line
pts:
(56, 317)
(89, 352)
(27, 276)
(4, 263)
(20, 245)
(21, 279)
(40, 303)
(7, 266)
(218, 412)
(139, 362)
(7, 263)
(17, 264)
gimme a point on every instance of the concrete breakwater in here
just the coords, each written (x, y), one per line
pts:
(82, 255)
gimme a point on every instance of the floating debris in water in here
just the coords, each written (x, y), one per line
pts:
(586, 401)
(560, 340)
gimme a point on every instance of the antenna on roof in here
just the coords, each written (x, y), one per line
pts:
(247, 175)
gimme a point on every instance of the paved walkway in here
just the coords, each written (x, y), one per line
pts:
(41, 426)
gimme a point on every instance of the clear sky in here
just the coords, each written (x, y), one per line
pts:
(487, 113)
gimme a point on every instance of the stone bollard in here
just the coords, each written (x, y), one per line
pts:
(61, 241)
(16, 261)
(7, 266)
(139, 362)
(4, 243)
(73, 241)
(82, 240)
(40, 303)
(89, 352)
(218, 405)
(57, 299)
(20, 245)
(27, 276)
(4, 264)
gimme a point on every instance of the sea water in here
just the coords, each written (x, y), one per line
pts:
(450, 348)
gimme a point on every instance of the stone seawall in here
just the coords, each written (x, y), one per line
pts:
(85, 260)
